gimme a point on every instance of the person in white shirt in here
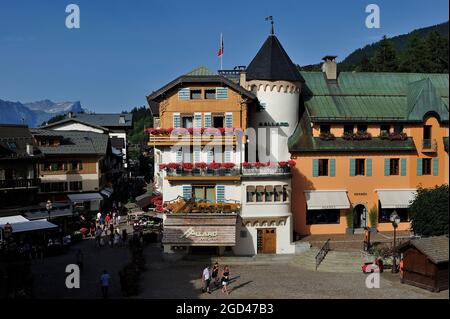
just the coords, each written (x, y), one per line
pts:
(206, 279)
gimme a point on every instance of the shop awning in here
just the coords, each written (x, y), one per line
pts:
(329, 199)
(396, 198)
(32, 225)
(53, 213)
(12, 220)
(144, 200)
(86, 197)
(107, 191)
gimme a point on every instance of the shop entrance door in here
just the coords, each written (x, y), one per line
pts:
(267, 241)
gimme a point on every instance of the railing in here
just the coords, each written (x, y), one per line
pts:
(429, 145)
(266, 171)
(191, 139)
(322, 253)
(203, 172)
(20, 183)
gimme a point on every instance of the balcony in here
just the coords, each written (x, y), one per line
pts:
(168, 137)
(429, 146)
(20, 183)
(267, 171)
(198, 174)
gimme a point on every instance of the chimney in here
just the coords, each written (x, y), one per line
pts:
(242, 78)
(70, 115)
(122, 119)
(30, 149)
(329, 67)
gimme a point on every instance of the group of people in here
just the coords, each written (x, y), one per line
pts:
(212, 275)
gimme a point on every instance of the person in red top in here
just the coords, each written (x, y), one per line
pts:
(107, 219)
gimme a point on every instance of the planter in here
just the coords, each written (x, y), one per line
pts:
(349, 231)
(197, 172)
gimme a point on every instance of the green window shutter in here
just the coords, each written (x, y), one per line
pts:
(332, 167)
(369, 167)
(220, 193)
(208, 120)
(176, 120)
(221, 93)
(197, 120)
(387, 166)
(228, 120)
(435, 166)
(187, 192)
(352, 167)
(315, 167)
(419, 167)
(403, 166)
(184, 94)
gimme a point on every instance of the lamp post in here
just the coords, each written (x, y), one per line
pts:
(49, 207)
(395, 220)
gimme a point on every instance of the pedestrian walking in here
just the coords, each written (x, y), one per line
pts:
(105, 279)
(215, 274)
(206, 279)
(107, 219)
(225, 279)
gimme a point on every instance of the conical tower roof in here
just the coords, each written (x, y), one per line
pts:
(272, 63)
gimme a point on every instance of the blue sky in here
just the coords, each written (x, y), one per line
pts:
(124, 50)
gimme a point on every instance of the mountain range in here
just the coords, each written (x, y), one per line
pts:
(35, 113)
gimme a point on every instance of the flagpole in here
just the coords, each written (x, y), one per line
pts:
(221, 56)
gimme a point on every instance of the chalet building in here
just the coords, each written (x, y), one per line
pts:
(117, 126)
(76, 165)
(19, 157)
(218, 191)
(366, 141)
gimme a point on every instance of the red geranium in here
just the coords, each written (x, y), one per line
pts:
(228, 165)
(260, 164)
(162, 166)
(214, 165)
(187, 166)
(173, 165)
(291, 163)
(283, 164)
(247, 165)
(200, 165)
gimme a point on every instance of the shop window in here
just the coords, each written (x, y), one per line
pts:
(324, 216)
(385, 214)
(426, 166)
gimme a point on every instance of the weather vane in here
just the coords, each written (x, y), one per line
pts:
(270, 18)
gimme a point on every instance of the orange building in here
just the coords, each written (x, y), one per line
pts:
(363, 145)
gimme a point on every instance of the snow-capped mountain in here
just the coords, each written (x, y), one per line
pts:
(35, 113)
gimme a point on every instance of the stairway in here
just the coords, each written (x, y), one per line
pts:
(335, 261)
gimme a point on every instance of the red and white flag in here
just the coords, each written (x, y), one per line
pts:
(220, 53)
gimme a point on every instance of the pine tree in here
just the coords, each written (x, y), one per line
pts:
(437, 53)
(415, 59)
(385, 58)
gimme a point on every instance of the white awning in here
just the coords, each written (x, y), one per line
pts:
(107, 191)
(396, 198)
(32, 225)
(53, 213)
(86, 197)
(332, 199)
(12, 220)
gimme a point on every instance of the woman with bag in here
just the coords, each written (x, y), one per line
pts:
(225, 279)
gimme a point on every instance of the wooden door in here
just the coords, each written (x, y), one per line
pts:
(267, 241)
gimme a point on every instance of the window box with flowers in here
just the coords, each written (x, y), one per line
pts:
(228, 167)
(359, 136)
(394, 136)
(327, 136)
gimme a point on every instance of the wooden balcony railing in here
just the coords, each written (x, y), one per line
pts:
(19, 183)
(191, 140)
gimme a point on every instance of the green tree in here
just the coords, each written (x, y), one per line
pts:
(429, 211)
(385, 58)
(415, 57)
(437, 53)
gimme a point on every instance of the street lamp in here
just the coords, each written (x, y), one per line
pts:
(49, 207)
(395, 220)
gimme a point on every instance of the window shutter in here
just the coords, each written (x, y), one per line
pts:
(221, 93)
(197, 157)
(179, 156)
(369, 167)
(332, 167)
(352, 167)
(387, 167)
(228, 156)
(176, 120)
(403, 167)
(208, 120)
(228, 120)
(184, 94)
(210, 156)
(197, 120)
(419, 167)
(220, 193)
(315, 168)
(435, 166)
(187, 192)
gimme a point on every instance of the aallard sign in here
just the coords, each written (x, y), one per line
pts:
(206, 234)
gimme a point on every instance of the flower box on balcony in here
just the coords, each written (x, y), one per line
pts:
(327, 137)
(359, 136)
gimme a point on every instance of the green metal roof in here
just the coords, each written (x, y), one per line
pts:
(375, 96)
(201, 71)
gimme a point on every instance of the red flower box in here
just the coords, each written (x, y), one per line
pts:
(247, 165)
(173, 165)
(228, 165)
(214, 165)
(291, 163)
(162, 166)
(201, 165)
(188, 166)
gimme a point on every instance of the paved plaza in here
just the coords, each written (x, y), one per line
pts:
(182, 280)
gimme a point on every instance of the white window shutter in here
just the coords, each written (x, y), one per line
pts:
(184, 94)
(176, 120)
(179, 156)
(197, 120)
(228, 120)
(228, 156)
(222, 93)
(210, 156)
(208, 120)
(197, 156)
